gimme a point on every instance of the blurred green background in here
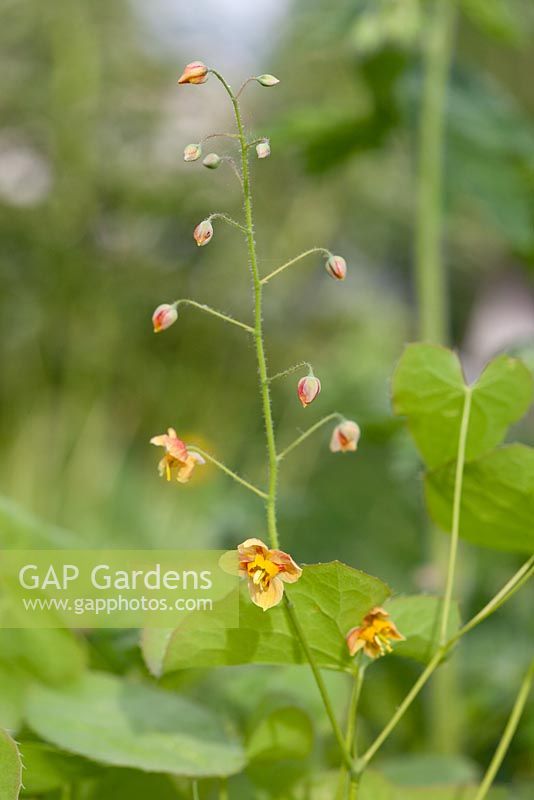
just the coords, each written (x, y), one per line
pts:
(97, 210)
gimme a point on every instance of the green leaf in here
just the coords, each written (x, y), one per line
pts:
(497, 505)
(132, 725)
(10, 768)
(47, 769)
(496, 19)
(119, 784)
(429, 770)
(429, 389)
(418, 619)
(329, 599)
(50, 655)
(12, 691)
(286, 733)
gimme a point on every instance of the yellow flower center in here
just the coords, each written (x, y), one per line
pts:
(262, 571)
(378, 633)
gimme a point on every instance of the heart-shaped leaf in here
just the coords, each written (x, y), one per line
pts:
(497, 507)
(429, 390)
(418, 619)
(134, 725)
(329, 599)
(10, 768)
(286, 733)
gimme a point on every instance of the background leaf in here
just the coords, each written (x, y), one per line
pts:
(329, 600)
(429, 389)
(497, 499)
(47, 769)
(10, 768)
(418, 618)
(284, 733)
(130, 725)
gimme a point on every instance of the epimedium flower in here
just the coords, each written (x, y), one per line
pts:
(263, 149)
(178, 462)
(192, 152)
(373, 636)
(336, 266)
(164, 316)
(345, 437)
(307, 389)
(266, 572)
(203, 232)
(195, 72)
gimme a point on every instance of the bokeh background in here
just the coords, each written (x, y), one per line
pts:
(97, 210)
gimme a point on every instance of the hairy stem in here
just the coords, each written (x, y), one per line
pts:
(228, 220)
(193, 448)
(309, 432)
(213, 312)
(294, 261)
(508, 734)
(456, 507)
(289, 370)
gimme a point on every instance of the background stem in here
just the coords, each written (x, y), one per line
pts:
(432, 295)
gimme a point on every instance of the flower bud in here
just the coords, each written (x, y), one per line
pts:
(308, 388)
(203, 232)
(267, 80)
(336, 266)
(345, 437)
(192, 152)
(263, 149)
(196, 72)
(212, 161)
(163, 317)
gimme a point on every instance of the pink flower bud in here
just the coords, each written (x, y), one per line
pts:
(196, 72)
(212, 161)
(163, 317)
(267, 80)
(308, 388)
(336, 266)
(192, 152)
(345, 437)
(203, 232)
(263, 149)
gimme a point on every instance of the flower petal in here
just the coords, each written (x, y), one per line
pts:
(269, 597)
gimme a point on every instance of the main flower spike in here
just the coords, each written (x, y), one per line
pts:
(307, 389)
(195, 72)
(203, 232)
(373, 635)
(163, 317)
(266, 571)
(177, 462)
(345, 437)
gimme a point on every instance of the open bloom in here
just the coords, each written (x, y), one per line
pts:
(163, 317)
(203, 232)
(345, 437)
(177, 462)
(195, 72)
(373, 635)
(336, 266)
(266, 571)
(307, 389)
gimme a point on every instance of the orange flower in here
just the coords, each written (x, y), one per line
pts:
(177, 462)
(345, 437)
(373, 635)
(195, 72)
(266, 571)
(307, 389)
